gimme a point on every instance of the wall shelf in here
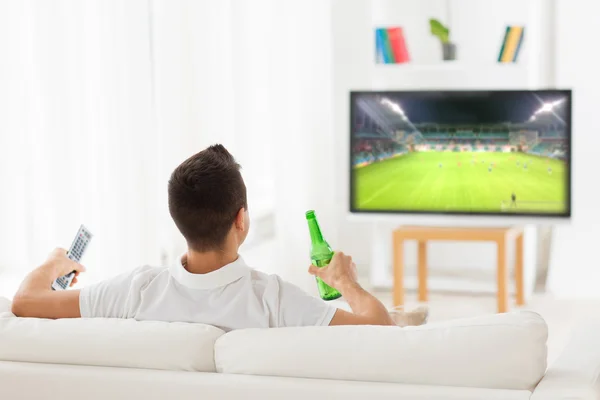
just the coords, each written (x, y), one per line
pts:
(445, 66)
(450, 76)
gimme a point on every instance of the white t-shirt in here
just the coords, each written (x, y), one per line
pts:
(232, 297)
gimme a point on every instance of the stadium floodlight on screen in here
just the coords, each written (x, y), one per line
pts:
(483, 153)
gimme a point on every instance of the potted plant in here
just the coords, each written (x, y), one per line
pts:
(443, 33)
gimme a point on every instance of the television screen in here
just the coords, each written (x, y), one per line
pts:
(459, 152)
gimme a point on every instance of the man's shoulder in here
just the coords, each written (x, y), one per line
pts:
(265, 280)
(148, 270)
(266, 284)
(260, 277)
(145, 273)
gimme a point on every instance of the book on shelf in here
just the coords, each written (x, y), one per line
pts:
(511, 45)
(390, 46)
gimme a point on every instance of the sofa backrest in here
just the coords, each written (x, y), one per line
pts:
(502, 351)
(109, 342)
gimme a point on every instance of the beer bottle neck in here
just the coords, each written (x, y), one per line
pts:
(315, 231)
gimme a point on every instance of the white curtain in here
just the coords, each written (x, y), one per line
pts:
(77, 137)
(101, 99)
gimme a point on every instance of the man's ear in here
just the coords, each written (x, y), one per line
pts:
(240, 219)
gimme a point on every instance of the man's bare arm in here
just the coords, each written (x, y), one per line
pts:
(366, 309)
(35, 297)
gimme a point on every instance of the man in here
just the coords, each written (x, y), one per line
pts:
(513, 200)
(210, 283)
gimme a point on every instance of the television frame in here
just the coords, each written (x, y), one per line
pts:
(488, 217)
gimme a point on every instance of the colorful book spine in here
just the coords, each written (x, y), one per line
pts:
(388, 55)
(390, 46)
(398, 45)
(511, 45)
(379, 47)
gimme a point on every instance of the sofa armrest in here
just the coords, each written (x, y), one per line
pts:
(575, 375)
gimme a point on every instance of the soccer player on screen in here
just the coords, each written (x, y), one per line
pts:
(513, 200)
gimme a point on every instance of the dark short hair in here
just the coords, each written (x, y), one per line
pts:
(205, 194)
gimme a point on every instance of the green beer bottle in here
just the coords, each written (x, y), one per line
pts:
(320, 255)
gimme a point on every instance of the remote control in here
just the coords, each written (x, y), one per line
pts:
(75, 253)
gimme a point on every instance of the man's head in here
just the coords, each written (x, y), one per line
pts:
(207, 200)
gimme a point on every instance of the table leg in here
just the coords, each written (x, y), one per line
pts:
(502, 276)
(422, 270)
(519, 271)
(398, 270)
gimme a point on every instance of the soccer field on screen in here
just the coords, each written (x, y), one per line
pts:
(462, 182)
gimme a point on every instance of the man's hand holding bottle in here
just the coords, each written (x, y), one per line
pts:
(340, 273)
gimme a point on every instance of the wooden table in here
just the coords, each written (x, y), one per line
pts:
(501, 236)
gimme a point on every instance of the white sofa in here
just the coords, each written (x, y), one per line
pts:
(493, 357)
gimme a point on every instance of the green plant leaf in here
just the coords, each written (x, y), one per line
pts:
(439, 30)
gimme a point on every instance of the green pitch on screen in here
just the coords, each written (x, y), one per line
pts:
(463, 183)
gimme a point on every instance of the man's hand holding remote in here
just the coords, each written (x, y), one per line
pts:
(340, 274)
(35, 297)
(62, 265)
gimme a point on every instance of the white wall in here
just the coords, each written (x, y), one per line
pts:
(574, 268)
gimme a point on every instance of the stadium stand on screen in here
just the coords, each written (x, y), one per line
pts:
(461, 152)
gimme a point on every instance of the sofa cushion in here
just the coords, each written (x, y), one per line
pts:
(109, 342)
(502, 351)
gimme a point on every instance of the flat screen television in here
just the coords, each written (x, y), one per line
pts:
(493, 153)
